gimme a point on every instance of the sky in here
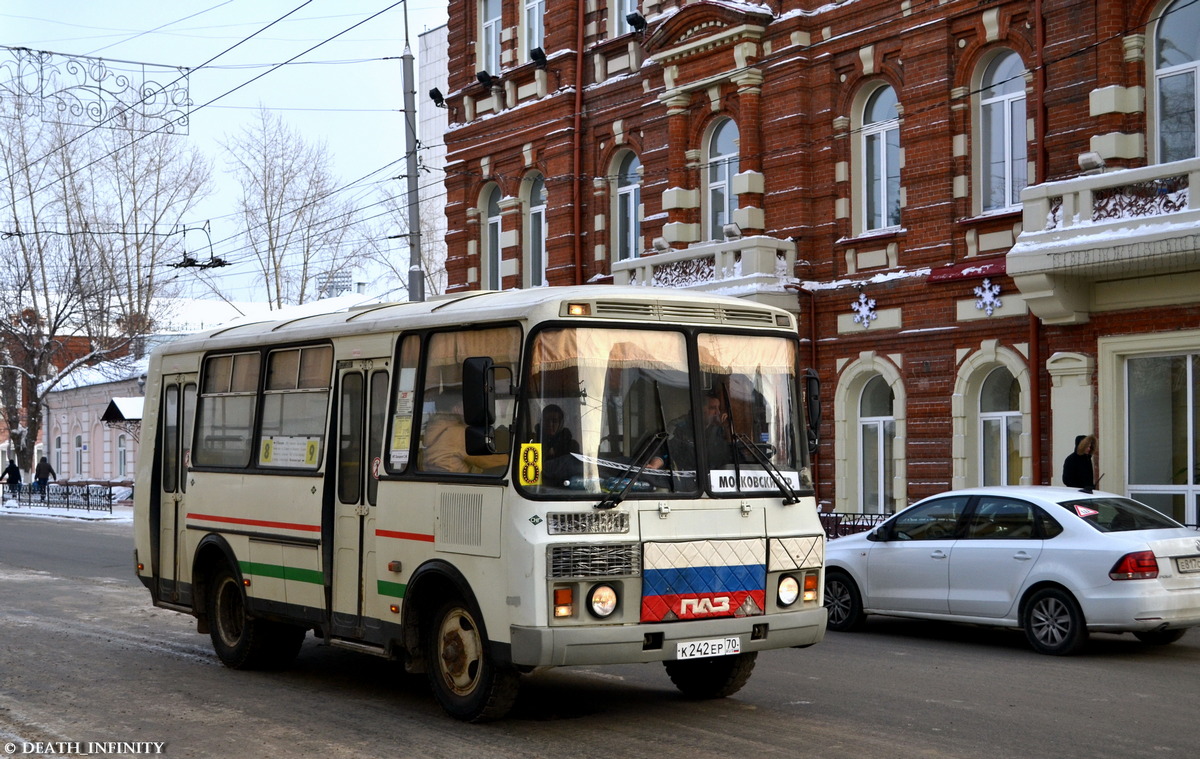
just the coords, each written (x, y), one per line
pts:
(341, 93)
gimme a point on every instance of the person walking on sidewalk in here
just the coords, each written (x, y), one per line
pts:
(12, 475)
(42, 475)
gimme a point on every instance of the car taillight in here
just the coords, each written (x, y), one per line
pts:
(1135, 566)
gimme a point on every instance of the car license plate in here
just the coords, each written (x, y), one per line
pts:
(700, 649)
(1189, 564)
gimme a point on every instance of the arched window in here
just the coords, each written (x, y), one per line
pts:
(1176, 64)
(876, 437)
(490, 244)
(78, 456)
(58, 453)
(122, 457)
(1003, 150)
(1000, 429)
(628, 209)
(536, 232)
(881, 160)
(722, 167)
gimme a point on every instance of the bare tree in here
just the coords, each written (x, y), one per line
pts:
(391, 226)
(300, 233)
(80, 216)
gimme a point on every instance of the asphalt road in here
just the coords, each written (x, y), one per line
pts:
(86, 658)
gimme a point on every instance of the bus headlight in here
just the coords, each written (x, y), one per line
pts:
(602, 601)
(789, 590)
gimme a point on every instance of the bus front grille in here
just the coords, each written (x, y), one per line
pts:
(605, 560)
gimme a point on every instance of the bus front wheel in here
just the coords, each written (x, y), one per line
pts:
(716, 677)
(241, 641)
(466, 681)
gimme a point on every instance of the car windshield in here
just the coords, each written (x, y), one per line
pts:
(1118, 514)
(595, 397)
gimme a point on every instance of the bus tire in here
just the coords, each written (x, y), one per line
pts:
(240, 640)
(716, 677)
(468, 684)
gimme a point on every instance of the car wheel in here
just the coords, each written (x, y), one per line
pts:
(1160, 637)
(1054, 623)
(843, 602)
(715, 677)
(240, 640)
(466, 681)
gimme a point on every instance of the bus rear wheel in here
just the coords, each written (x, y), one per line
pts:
(717, 677)
(468, 684)
(240, 640)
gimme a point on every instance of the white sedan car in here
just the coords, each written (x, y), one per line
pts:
(1057, 562)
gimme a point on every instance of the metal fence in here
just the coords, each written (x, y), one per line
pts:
(86, 496)
(838, 524)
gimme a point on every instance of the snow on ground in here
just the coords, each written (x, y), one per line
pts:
(11, 507)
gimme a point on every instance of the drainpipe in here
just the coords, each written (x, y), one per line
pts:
(1040, 164)
(577, 160)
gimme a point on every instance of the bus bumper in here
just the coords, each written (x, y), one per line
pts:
(622, 644)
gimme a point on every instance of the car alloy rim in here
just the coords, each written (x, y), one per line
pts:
(1051, 621)
(839, 601)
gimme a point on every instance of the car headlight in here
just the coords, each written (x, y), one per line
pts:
(602, 601)
(789, 590)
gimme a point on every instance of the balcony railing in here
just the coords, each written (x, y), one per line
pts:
(1118, 225)
(755, 267)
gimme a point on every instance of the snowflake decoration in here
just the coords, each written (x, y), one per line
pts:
(864, 310)
(987, 300)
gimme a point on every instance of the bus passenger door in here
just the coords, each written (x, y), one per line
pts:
(361, 412)
(178, 409)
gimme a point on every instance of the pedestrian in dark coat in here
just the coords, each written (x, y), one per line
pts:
(42, 474)
(1077, 468)
(12, 475)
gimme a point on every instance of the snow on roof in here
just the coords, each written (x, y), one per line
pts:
(124, 410)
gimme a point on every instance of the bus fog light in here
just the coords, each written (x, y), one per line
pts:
(789, 590)
(602, 601)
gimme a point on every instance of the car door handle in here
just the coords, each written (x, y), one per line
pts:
(1022, 556)
(938, 554)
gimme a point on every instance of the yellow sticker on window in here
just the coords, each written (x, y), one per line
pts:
(530, 471)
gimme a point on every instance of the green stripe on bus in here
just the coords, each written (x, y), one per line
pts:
(395, 589)
(282, 572)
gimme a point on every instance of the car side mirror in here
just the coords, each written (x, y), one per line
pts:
(878, 535)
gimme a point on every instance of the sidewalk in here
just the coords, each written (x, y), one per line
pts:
(120, 512)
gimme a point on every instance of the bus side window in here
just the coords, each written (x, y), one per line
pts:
(443, 428)
(404, 409)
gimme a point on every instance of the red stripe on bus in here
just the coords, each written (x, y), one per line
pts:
(404, 535)
(257, 522)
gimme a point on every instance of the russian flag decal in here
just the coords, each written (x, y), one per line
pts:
(703, 579)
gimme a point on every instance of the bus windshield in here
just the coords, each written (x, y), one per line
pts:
(596, 396)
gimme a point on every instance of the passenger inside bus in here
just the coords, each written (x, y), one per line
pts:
(444, 443)
(558, 446)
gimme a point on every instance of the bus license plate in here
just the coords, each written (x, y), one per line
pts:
(700, 649)
(1189, 564)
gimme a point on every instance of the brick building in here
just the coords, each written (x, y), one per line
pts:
(980, 210)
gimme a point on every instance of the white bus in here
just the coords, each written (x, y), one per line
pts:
(489, 483)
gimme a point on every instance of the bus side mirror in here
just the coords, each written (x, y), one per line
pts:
(479, 392)
(812, 408)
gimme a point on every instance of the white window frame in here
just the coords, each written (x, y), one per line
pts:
(489, 36)
(536, 233)
(882, 456)
(490, 255)
(122, 456)
(78, 456)
(622, 9)
(719, 172)
(875, 139)
(535, 26)
(1013, 128)
(627, 211)
(1003, 418)
(1162, 20)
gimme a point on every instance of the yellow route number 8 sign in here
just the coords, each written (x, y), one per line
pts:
(530, 470)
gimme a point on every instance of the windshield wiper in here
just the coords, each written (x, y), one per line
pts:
(640, 460)
(789, 495)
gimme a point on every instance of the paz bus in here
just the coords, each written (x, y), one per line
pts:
(489, 483)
